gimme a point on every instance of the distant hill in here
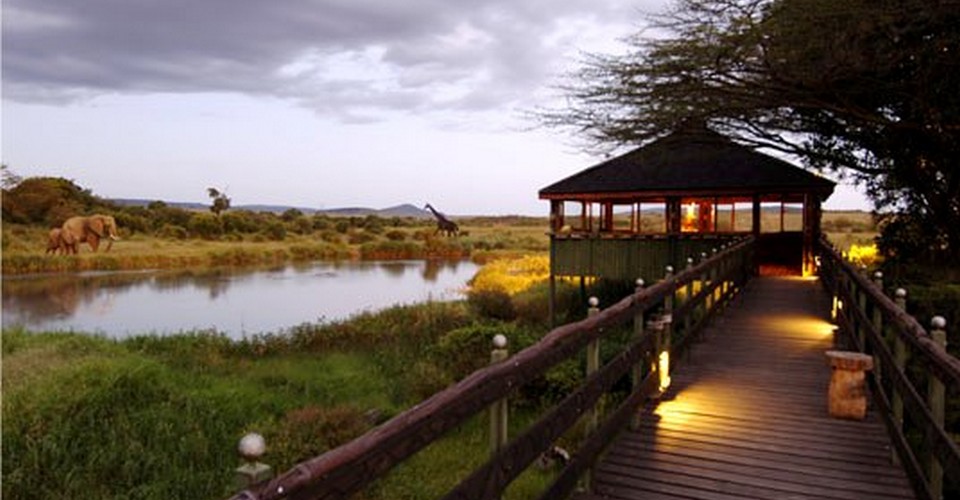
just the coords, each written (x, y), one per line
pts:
(404, 210)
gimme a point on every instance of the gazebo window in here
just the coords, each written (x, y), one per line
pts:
(793, 217)
(697, 215)
(743, 216)
(652, 218)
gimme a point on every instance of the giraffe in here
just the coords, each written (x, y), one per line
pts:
(444, 225)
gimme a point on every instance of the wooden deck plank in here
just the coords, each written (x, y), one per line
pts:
(746, 416)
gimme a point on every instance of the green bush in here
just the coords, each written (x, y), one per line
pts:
(312, 430)
(275, 231)
(464, 350)
(205, 225)
(173, 232)
(493, 304)
(360, 237)
(396, 235)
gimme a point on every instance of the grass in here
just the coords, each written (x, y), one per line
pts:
(159, 417)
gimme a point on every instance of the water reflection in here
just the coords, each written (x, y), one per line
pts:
(237, 303)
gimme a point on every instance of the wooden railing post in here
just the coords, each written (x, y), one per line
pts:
(687, 318)
(936, 402)
(861, 298)
(900, 361)
(877, 320)
(593, 364)
(716, 272)
(499, 413)
(650, 359)
(704, 283)
(251, 448)
(665, 334)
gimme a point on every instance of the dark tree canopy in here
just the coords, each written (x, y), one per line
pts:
(46, 200)
(220, 201)
(869, 89)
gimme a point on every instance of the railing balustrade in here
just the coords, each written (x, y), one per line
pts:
(872, 323)
(689, 298)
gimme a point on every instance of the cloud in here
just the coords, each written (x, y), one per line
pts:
(353, 59)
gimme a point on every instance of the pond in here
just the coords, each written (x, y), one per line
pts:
(236, 303)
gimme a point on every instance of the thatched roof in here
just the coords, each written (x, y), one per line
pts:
(694, 160)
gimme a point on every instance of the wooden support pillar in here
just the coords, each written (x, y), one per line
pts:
(673, 216)
(811, 232)
(556, 216)
(756, 215)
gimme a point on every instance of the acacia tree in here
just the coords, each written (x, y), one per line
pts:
(220, 201)
(869, 89)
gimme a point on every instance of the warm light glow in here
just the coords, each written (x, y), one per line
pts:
(805, 327)
(689, 221)
(663, 370)
(676, 411)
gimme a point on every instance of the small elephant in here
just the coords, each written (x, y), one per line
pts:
(55, 242)
(89, 229)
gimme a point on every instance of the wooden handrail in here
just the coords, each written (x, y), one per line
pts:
(343, 471)
(859, 297)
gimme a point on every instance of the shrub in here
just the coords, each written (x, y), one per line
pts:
(464, 350)
(512, 275)
(331, 236)
(494, 304)
(205, 225)
(275, 231)
(360, 237)
(321, 222)
(309, 431)
(396, 235)
(172, 231)
(240, 221)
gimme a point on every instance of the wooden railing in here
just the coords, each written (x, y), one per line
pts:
(676, 307)
(912, 371)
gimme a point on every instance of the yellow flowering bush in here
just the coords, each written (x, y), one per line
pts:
(863, 255)
(511, 276)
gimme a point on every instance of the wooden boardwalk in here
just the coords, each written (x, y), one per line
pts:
(746, 417)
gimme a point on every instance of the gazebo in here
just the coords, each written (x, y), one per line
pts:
(677, 197)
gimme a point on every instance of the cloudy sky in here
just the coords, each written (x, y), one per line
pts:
(313, 103)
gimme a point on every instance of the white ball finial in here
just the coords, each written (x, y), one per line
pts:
(938, 322)
(900, 293)
(252, 446)
(640, 282)
(689, 260)
(669, 269)
(499, 341)
(593, 301)
(878, 275)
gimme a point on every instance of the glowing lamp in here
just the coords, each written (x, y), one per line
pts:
(663, 370)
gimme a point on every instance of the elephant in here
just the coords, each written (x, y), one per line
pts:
(89, 229)
(55, 242)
